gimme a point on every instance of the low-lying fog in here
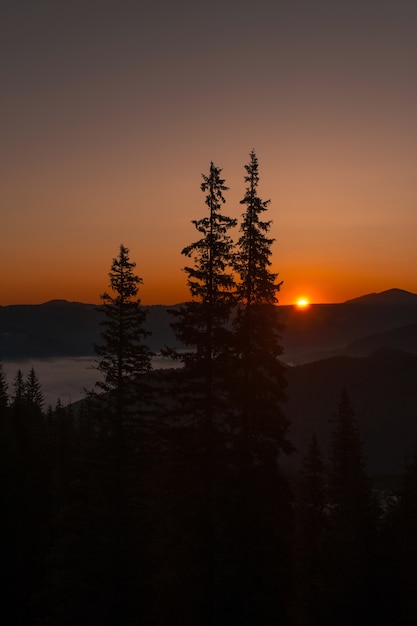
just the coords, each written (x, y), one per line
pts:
(64, 378)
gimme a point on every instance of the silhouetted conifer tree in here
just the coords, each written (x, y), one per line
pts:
(350, 548)
(257, 389)
(124, 358)
(21, 425)
(125, 361)
(18, 397)
(201, 326)
(349, 486)
(4, 399)
(26, 500)
(35, 423)
(260, 375)
(33, 391)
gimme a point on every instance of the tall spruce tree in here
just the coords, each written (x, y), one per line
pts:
(349, 486)
(257, 389)
(201, 326)
(33, 392)
(18, 397)
(349, 551)
(125, 361)
(4, 399)
(20, 423)
(260, 381)
(124, 358)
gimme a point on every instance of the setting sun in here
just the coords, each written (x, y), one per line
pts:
(302, 303)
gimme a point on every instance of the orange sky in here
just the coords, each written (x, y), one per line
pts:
(112, 112)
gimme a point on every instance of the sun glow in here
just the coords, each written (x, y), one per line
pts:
(302, 303)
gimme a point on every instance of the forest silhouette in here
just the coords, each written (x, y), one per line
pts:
(162, 497)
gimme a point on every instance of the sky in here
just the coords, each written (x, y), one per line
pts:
(112, 110)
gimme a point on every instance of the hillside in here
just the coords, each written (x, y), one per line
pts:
(383, 390)
(402, 338)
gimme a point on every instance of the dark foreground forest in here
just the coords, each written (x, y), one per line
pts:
(138, 528)
(161, 498)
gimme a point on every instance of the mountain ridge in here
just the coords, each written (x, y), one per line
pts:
(65, 328)
(392, 296)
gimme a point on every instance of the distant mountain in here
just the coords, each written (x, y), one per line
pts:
(326, 329)
(55, 328)
(390, 297)
(61, 328)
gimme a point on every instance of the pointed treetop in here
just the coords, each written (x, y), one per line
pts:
(122, 279)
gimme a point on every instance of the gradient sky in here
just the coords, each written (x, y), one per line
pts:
(111, 110)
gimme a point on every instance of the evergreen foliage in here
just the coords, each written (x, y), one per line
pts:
(33, 392)
(201, 325)
(350, 536)
(118, 434)
(259, 525)
(4, 400)
(349, 486)
(209, 279)
(252, 261)
(258, 374)
(18, 397)
(124, 358)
